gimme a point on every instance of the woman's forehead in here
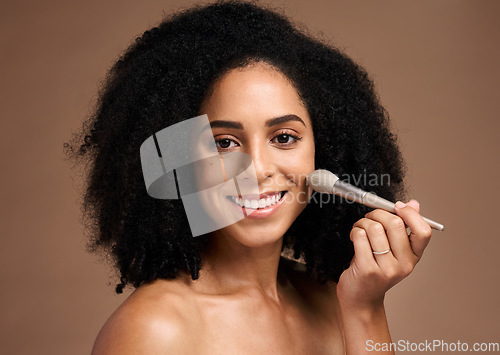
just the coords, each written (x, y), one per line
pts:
(258, 92)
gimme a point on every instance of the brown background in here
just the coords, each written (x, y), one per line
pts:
(435, 64)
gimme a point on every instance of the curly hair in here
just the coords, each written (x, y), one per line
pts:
(162, 79)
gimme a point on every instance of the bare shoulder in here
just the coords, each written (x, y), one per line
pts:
(154, 319)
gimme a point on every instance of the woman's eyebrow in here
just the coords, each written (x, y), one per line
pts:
(281, 119)
(271, 122)
(226, 124)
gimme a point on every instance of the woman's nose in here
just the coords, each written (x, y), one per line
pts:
(263, 162)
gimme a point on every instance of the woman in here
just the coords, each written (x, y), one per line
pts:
(293, 104)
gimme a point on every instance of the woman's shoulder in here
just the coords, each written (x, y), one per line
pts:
(155, 316)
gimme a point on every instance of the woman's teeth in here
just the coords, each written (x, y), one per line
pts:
(255, 204)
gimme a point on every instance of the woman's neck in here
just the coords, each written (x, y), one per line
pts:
(230, 267)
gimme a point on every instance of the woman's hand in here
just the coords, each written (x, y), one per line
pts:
(363, 285)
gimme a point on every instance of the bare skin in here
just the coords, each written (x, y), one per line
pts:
(171, 317)
(248, 299)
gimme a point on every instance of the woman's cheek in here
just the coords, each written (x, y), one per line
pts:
(295, 167)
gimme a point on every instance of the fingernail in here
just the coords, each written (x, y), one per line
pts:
(400, 204)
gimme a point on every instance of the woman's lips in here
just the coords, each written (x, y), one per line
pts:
(262, 208)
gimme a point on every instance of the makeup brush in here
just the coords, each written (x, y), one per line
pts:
(324, 181)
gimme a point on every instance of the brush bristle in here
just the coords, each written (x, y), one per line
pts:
(322, 181)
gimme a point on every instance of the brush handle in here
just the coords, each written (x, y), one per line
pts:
(371, 200)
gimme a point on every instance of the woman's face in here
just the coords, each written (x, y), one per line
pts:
(256, 110)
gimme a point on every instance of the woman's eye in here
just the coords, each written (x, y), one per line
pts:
(224, 143)
(285, 139)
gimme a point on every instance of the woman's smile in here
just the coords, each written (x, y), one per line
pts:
(257, 202)
(261, 207)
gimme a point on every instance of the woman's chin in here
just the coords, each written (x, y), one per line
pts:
(255, 235)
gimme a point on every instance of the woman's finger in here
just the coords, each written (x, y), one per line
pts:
(420, 230)
(378, 240)
(414, 204)
(396, 233)
(362, 249)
